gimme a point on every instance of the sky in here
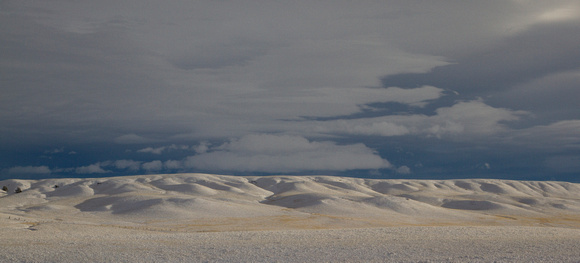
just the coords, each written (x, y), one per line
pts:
(375, 89)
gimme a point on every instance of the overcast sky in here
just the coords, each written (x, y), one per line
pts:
(380, 89)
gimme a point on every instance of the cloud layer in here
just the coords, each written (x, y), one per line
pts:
(254, 86)
(285, 153)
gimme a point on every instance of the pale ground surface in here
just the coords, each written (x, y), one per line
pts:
(200, 217)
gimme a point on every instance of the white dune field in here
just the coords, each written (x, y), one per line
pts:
(202, 217)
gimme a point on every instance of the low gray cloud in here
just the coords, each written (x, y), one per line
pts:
(404, 170)
(152, 166)
(286, 153)
(128, 164)
(463, 120)
(160, 150)
(95, 168)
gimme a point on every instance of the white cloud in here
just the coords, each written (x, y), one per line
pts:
(152, 166)
(380, 128)
(463, 120)
(545, 13)
(161, 149)
(29, 170)
(561, 14)
(201, 147)
(476, 117)
(286, 153)
(91, 169)
(173, 165)
(158, 150)
(403, 170)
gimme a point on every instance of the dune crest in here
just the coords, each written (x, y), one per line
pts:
(204, 202)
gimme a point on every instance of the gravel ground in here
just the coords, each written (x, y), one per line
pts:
(61, 243)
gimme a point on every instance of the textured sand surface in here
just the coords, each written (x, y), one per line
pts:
(392, 244)
(200, 217)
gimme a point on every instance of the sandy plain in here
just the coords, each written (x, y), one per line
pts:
(217, 218)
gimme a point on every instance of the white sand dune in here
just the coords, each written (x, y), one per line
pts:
(177, 200)
(154, 206)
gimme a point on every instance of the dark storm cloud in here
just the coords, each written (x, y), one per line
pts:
(90, 72)
(537, 52)
(145, 80)
(552, 97)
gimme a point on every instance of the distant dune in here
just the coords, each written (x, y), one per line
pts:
(204, 202)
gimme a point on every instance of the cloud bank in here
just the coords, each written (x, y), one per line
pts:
(286, 153)
(288, 86)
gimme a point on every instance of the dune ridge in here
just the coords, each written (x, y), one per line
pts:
(204, 202)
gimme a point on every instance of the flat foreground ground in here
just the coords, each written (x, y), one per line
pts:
(75, 243)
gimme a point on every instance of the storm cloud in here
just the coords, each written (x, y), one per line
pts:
(290, 87)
